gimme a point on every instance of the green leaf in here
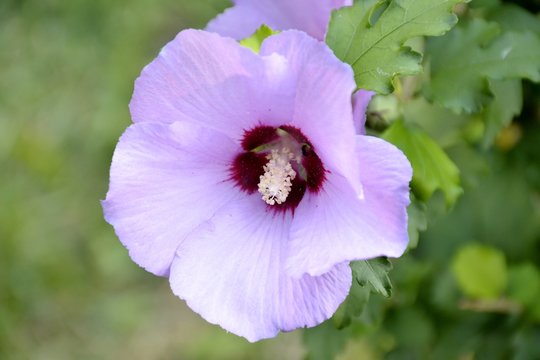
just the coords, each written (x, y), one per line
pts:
(464, 60)
(480, 271)
(371, 35)
(478, 4)
(324, 342)
(514, 18)
(373, 274)
(254, 41)
(369, 276)
(507, 103)
(432, 168)
(411, 326)
(441, 124)
(473, 166)
(352, 306)
(526, 344)
(524, 284)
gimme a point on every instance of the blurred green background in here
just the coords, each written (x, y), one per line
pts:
(68, 289)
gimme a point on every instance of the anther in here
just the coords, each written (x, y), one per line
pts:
(276, 182)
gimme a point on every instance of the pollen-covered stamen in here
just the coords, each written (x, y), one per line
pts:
(276, 182)
(280, 163)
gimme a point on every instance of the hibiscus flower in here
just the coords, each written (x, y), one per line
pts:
(244, 181)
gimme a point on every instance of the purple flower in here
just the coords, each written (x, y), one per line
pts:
(244, 182)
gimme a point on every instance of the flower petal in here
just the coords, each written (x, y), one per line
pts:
(335, 226)
(231, 272)
(193, 60)
(213, 81)
(246, 16)
(165, 181)
(323, 109)
(361, 100)
(238, 22)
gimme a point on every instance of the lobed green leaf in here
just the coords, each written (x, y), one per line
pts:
(432, 168)
(371, 37)
(514, 18)
(463, 61)
(373, 274)
(353, 306)
(507, 103)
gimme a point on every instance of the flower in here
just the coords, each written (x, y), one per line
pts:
(310, 16)
(244, 182)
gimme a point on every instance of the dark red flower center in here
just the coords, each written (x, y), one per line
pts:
(279, 163)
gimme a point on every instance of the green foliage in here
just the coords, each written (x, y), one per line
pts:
(483, 127)
(353, 306)
(526, 344)
(411, 327)
(480, 271)
(324, 342)
(328, 339)
(514, 18)
(507, 103)
(432, 169)
(417, 221)
(442, 125)
(464, 60)
(524, 287)
(373, 274)
(254, 41)
(369, 276)
(467, 300)
(371, 36)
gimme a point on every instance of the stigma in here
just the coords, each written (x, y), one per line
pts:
(276, 182)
